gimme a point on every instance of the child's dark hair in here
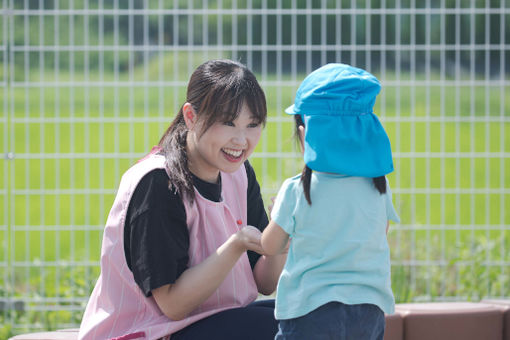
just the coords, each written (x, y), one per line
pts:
(306, 175)
(217, 91)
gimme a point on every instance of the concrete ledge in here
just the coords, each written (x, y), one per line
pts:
(394, 327)
(505, 305)
(394, 331)
(489, 319)
(450, 321)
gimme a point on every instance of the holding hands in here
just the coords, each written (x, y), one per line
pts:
(248, 238)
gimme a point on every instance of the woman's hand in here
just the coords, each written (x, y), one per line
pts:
(198, 283)
(248, 238)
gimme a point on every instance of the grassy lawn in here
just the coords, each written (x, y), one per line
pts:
(72, 143)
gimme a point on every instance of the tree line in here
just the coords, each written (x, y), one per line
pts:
(290, 39)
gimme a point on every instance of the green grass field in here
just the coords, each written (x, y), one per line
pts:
(451, 182)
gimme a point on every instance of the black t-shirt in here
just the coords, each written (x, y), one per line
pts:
(156, 238)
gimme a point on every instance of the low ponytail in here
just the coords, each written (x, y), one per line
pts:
(173, 144)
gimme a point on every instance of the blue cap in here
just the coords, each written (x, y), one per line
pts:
(342, 133)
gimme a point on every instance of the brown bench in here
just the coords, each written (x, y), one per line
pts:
(394, 331)
(394, 327)
(505, 305)
(489, 319)
(451, 321)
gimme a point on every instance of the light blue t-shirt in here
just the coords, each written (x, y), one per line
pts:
(338, 250)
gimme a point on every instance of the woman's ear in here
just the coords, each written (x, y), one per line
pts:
(301, 130)
(190, 116)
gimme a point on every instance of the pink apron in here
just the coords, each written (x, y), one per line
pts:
(117, 308)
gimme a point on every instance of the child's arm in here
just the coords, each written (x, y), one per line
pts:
(274, 239)
(387, 226)
(269, 267)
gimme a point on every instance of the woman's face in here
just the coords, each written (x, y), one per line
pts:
(223, 147)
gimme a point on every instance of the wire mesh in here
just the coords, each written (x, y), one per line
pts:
(89, 86)
(4, 259)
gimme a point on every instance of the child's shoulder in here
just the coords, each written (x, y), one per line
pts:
(294, 178)
(291, 182)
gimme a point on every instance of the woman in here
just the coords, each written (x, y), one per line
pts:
(181, 247)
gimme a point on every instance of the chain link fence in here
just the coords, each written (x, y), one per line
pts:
(87, 87)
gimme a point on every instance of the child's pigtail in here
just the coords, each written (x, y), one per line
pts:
(306, 179)
(306, 175)
(380, 184)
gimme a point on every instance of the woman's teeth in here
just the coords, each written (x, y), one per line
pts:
(233, 153)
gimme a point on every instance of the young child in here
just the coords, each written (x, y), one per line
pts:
(336, 283)
(181, 247)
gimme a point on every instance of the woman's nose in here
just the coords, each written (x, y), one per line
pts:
(240, 138)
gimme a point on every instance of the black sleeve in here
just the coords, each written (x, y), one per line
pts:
(156, 238)
(257, 216)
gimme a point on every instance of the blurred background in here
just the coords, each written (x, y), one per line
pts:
(88, 87)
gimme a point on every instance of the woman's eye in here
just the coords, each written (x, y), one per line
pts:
(253, 125)
(228, 123)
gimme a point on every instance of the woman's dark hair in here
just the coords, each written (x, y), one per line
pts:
(306, 174)
(217, 91)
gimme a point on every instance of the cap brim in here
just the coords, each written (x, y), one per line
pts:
(290, 110)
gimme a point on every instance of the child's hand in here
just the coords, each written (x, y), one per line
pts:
(270, 206)
(249, 239)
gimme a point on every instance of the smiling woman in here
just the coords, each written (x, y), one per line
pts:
(181, 249)
(223, 146)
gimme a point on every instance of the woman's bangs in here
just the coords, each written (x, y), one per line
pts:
(256, 102)
(224, 103)
(257, 106)
(220, 107)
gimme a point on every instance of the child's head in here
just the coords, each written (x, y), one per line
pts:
(342, 134)
(219, 91)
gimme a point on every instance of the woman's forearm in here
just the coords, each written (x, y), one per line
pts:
(198, 283)
(267, 272)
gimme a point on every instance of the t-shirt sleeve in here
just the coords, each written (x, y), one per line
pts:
(257, 215)
(391, 213)
(284, 206)
(156, 238)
